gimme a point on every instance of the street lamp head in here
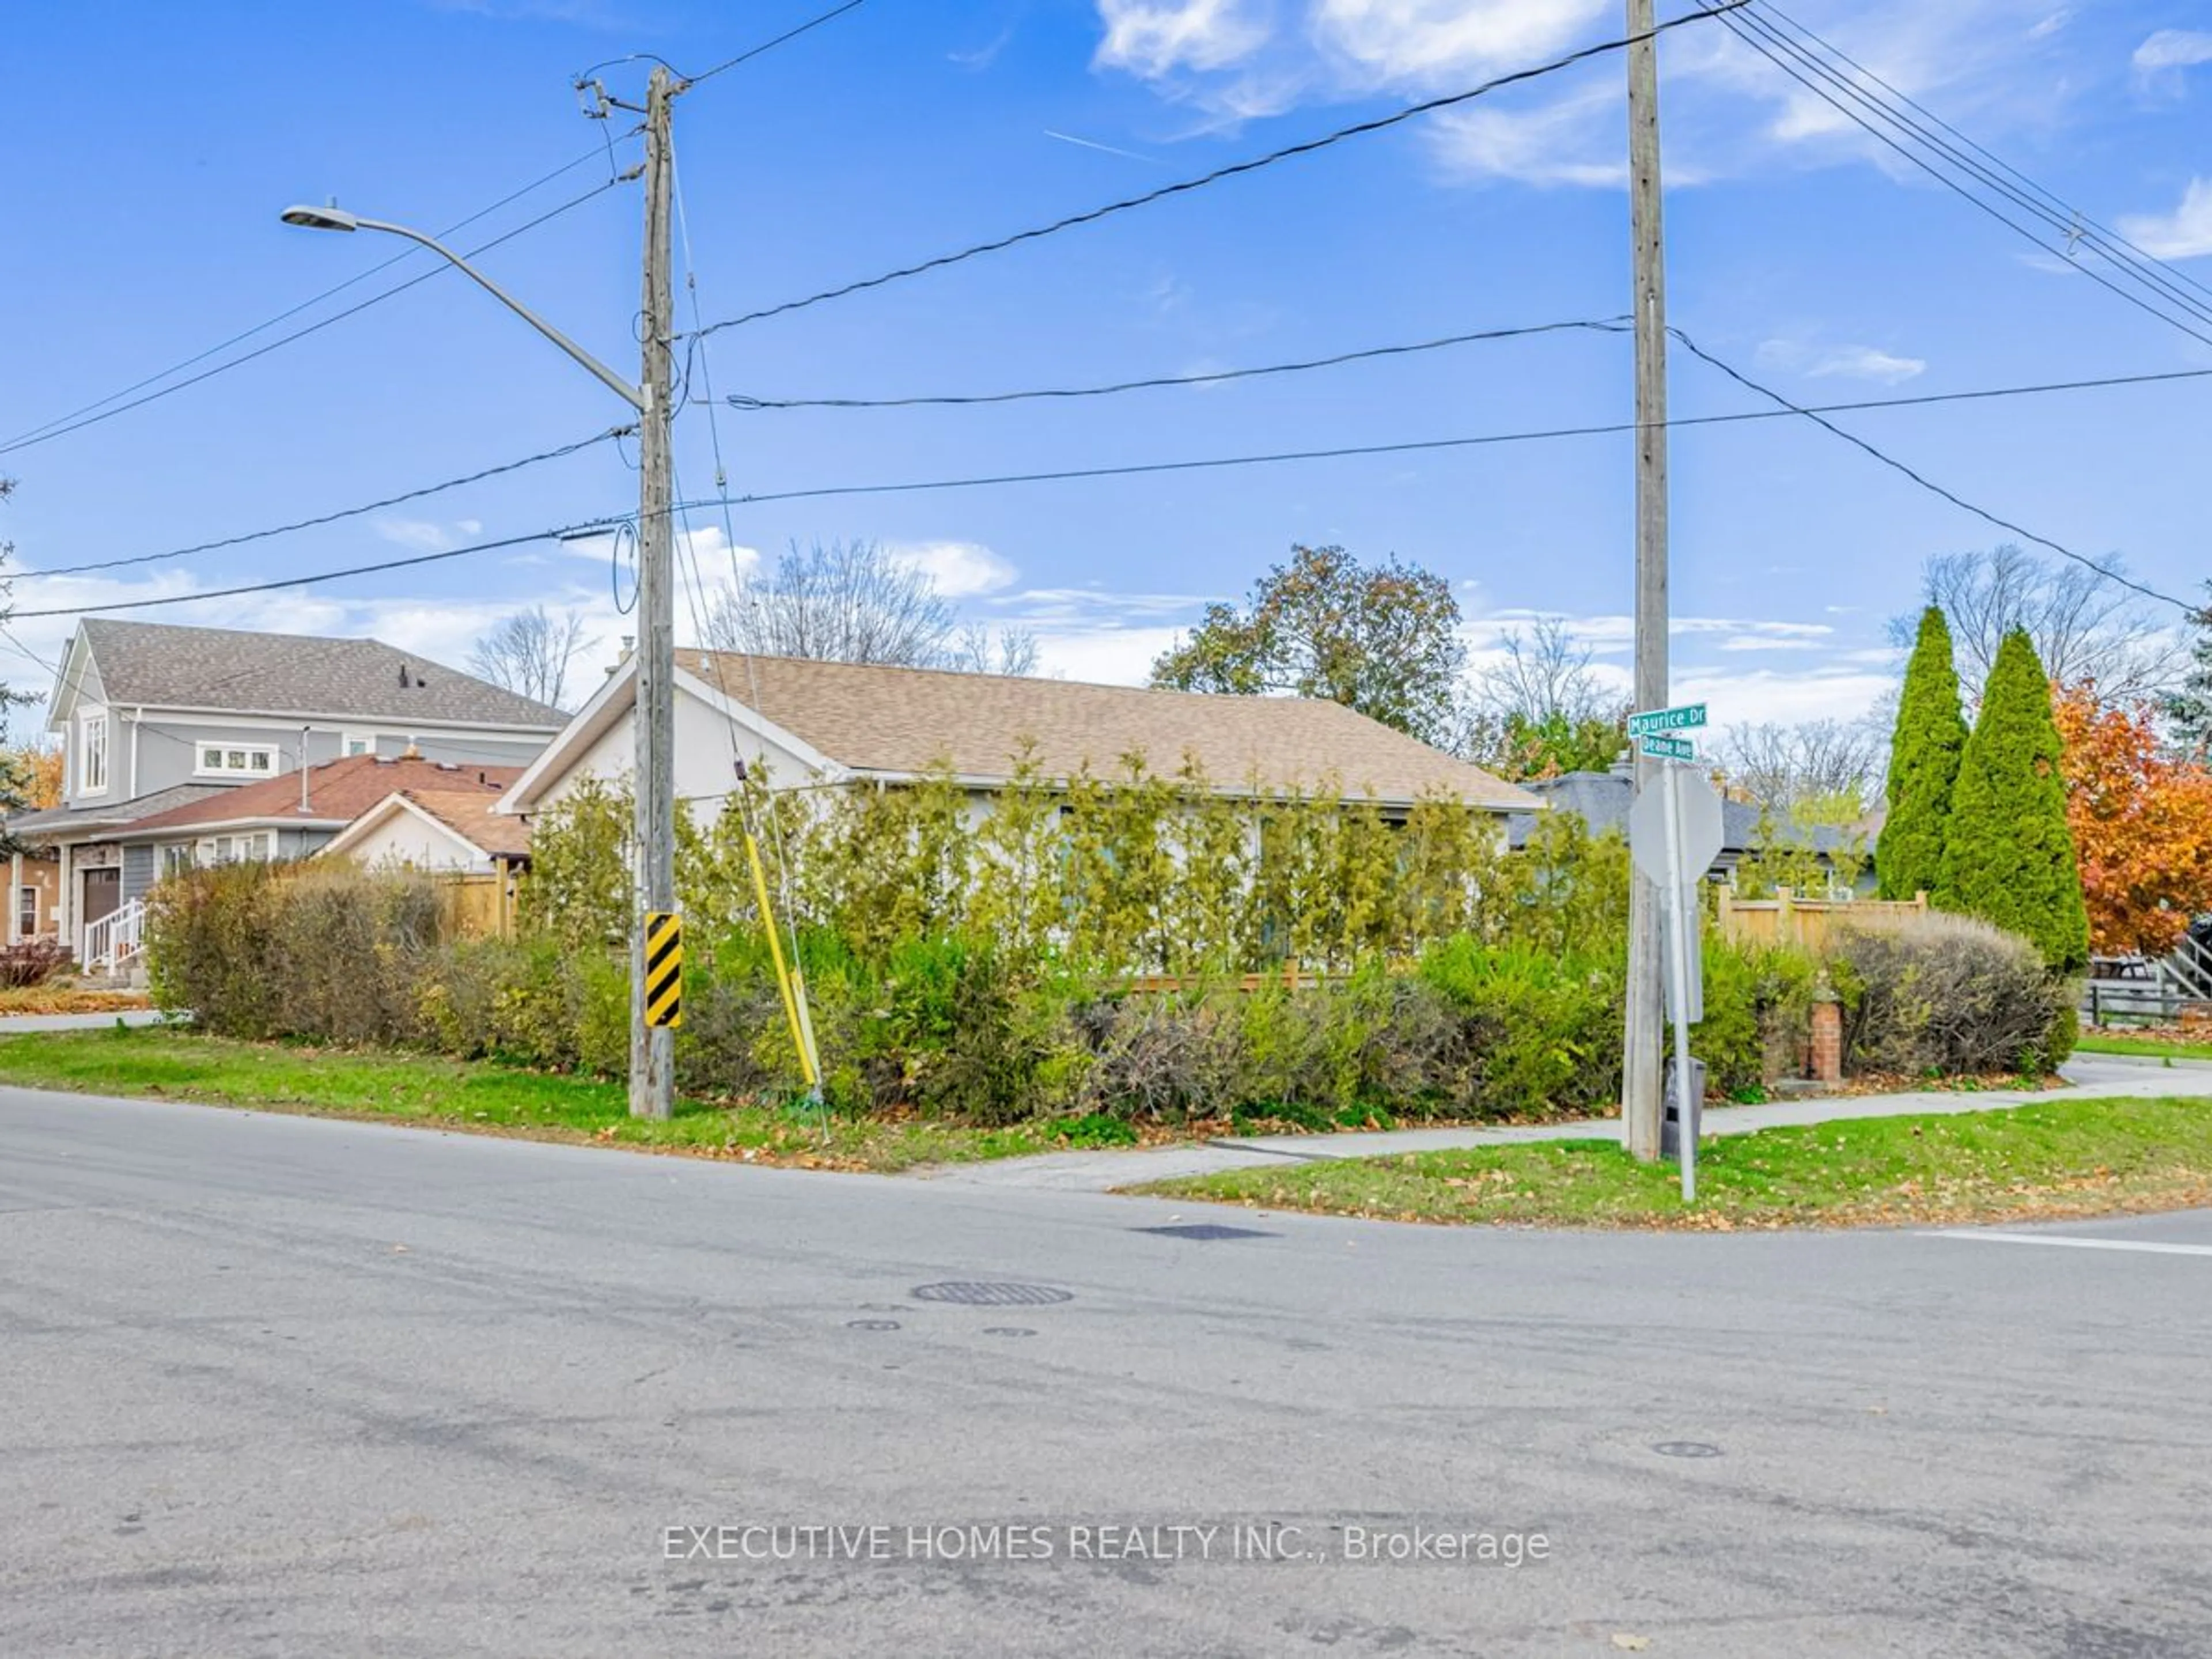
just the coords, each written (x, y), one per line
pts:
(322, 218)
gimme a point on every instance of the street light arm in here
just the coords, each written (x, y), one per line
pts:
(621, 387)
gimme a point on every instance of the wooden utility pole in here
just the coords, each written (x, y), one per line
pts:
(652, 1048)
(1642, 1077)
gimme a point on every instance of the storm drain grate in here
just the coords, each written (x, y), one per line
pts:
(992, 1296)
(1206, 1230)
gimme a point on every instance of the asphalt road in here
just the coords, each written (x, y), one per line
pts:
(275, 1385)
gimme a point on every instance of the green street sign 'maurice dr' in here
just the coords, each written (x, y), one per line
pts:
(1667, 719)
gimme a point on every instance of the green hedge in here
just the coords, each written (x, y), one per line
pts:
(1462, 984)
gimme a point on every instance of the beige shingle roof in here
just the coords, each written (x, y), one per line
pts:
(467, 812)
(904, 720)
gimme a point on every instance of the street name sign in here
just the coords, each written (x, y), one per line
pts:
(1678, 718)
(1657, 746)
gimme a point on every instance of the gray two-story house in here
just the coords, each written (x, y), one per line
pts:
(154, 717)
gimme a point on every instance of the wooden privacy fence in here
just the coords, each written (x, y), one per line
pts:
(482, 906)
(1785, 919)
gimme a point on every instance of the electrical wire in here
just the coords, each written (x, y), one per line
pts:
(320, 519)
(2067, 222)
(1234, 169)
(1543, 434)
(778, 842)
(315, 576)
(49, 435)
(1825, 84)
(752, 53)
(740, 400)
(1927, 483)
(23, 439)
(614, 523)
(2073, 215)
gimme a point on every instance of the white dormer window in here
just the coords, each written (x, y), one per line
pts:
(92, 753)
(237, 760)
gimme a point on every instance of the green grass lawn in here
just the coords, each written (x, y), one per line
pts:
(452, 1094)
(2054, 1159)
(2106, 1043)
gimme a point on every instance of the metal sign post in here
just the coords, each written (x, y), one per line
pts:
(1674, 834)
(1681, 920)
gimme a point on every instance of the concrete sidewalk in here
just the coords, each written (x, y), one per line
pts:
(2087, 1076)
(10, 1024)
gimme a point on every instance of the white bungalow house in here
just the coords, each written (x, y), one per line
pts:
(820, 725)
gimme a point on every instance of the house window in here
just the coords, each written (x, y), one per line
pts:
(92, 754)
(238, 760)
(27, 912)
(176, 859)
(357, 743)
(257, 847)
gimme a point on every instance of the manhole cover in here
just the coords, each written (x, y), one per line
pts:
(1008, 1330)
(1206, 1229)
(1686, 1449)
(872, 1324)
(992, 1296)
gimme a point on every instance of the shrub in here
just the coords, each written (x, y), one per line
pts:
(1757, 1001)
(1947, 995)
(1545, 1029)
(34, 962)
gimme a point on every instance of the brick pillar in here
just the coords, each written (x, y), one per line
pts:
(1828, 1041)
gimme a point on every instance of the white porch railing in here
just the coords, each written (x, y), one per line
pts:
(117, 937)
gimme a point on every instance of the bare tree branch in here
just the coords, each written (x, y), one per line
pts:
(529, 653)
(1830, 767)
(2082, 627)
(844, 601)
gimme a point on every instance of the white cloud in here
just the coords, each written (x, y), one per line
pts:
(2184, 234)
(1784, 696)
(1426, 41)
(1992, 63)
(1155, 37)
(421, 534)
(1846, 362)
(2172, 49)
(1555, 143)
(960, 570)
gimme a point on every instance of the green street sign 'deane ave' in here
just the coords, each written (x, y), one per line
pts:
(1667, 719)
(1659, 748)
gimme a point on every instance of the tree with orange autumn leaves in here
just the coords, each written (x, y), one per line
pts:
(2142, 822)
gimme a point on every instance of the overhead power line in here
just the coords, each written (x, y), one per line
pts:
(787, 36)
(1900, 133)
(1610, 326)
(542, 456)
(37, 434)
(1818, 418)
(1234, 169)
(2074, 215)
(614, 523)
(1483, 440)
(301, 581)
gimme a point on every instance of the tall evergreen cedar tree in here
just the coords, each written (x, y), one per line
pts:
(2009, 855)
(1924, 764)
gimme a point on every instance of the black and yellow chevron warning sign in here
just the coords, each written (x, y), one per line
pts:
(664, 968)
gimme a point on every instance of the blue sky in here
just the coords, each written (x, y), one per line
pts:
(154, 146)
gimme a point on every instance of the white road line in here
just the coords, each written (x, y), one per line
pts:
(2071, 1243)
